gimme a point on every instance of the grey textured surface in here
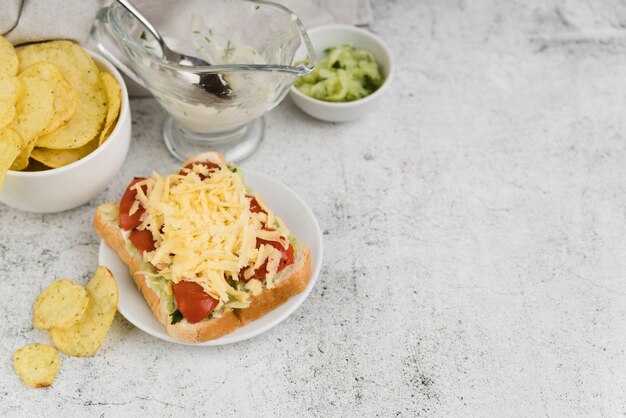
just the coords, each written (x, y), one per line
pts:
(473, 231)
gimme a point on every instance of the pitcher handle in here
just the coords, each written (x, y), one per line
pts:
(99, 35)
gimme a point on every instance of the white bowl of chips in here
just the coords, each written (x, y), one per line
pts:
(66, 166)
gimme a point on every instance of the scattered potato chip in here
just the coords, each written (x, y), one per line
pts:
(79, 69)
(37, 364)
(8, 57)
(9, 89)
(114, 101)
(61, 305)
(86, 337)
(35, 110)
(64, 96)
(55, 158)
(10, 146)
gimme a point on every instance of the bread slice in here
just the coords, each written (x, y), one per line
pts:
(290, 281)
(294, 280)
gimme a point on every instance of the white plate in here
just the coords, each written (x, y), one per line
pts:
(289, 207)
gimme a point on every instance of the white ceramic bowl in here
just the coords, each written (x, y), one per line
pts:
(70, 186)
(323, 37)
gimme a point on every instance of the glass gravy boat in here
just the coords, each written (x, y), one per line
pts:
(251, 46)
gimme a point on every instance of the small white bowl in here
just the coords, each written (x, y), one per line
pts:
(67, 187)
(323, 37)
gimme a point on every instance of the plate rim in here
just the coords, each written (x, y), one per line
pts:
(225, 340)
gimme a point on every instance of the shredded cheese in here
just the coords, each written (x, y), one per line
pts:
(205, 232)
(255, 287)
(134, 207)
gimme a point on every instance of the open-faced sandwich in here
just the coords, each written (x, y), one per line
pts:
(205, 251)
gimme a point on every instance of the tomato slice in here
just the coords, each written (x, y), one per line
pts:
(127, 221)
(142, 240)
(259, 274)
(287, 257)
(211, 166)
(254, 205)
(192, 301)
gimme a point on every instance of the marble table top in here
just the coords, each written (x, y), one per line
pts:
(474, 233)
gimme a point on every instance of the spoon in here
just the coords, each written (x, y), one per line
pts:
(210, 83)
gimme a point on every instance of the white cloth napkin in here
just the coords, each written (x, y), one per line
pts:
(320, 12)
(23, 21)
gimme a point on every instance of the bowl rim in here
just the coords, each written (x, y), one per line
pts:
(358, 102)
(125, 107)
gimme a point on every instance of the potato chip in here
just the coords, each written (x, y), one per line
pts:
(10, 146)
(9, 88)
(78, 68)
(35, 110)
(64, 96)
(61, 305)
(8, 57)
(37, 364)
(86, 337)
(73, 62)
(84, 125)
(21, 161)
(55, 158)
(114, 102)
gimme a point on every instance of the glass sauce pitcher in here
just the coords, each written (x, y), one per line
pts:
(251, 47)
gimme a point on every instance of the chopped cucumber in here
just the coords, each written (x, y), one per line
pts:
(343, 75)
